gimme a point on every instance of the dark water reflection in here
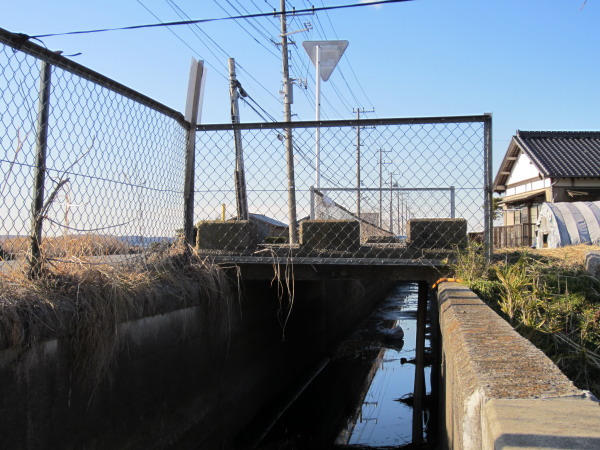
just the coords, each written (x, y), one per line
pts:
(363, 397)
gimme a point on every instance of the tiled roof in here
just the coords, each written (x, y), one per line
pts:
(563, 153)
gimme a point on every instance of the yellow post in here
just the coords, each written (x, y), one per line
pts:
(223, 212)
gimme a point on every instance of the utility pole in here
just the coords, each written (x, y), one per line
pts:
(240, 178)
(358, 164)
(392, 186)
(287, 117)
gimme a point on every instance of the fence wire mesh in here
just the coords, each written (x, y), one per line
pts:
(389, 190)
(95, 172)
(112, 168)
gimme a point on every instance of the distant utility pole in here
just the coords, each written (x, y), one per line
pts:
(240, 178)
(381, 152)
(358, 111)
(287, 117)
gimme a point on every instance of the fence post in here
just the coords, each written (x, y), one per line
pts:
(487, 206)
(192, 115)
(35, 262)
(312, 203)
(452, 202)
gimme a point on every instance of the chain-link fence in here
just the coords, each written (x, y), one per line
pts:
(374, 191)
(94, 171)
(90, 169)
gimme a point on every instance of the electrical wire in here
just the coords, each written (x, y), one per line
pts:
(190, 22)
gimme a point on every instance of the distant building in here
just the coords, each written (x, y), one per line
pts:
(269, 227)
(544, 166)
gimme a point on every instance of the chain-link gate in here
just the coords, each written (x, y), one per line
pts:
(95, 172)
(390, 190)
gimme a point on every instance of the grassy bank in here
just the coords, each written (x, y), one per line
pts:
(548, 297)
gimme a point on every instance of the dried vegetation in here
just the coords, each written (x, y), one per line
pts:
(85, 302)
(549, 297)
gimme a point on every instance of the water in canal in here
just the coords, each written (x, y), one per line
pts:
(363, 398)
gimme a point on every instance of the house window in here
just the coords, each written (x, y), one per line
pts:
(517, 217)
(533, 213)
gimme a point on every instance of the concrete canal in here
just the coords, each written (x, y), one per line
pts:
(364, 396)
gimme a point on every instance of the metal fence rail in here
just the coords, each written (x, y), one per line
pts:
(94, 171)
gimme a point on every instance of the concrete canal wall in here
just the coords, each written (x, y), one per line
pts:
(190, 376)
(500, 391)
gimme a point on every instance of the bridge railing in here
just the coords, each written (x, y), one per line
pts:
(382, 190)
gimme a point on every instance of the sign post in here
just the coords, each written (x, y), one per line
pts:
(325, 56)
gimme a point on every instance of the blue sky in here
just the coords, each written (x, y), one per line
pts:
(533, 64)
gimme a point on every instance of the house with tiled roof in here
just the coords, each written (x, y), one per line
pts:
(544, 166)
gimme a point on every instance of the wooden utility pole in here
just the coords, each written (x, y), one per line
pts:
(240, 178)
(287, 117)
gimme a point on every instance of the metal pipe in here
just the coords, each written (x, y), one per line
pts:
(488, 189)
(345, 123)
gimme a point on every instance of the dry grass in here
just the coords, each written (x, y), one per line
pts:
(67, 246)
(567, 258)
(86, 303)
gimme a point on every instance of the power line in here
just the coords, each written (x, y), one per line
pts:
(247, 16)
(181, 39)
(260, 32)
(181, 13)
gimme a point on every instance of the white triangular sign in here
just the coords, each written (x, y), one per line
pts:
(331, 52)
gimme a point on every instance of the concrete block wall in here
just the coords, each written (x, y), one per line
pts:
(500, 391)
(230, 235)
(330, 234)
(436, 233)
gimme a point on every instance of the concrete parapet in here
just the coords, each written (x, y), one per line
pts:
(500, 390)
(436, 233)
(330, 234)
(229, 235)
